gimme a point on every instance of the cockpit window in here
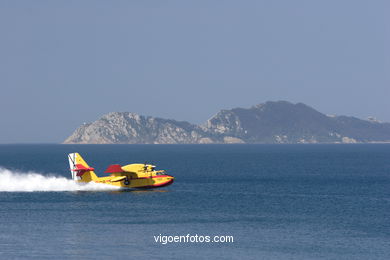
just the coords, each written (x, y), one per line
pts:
(161, 172)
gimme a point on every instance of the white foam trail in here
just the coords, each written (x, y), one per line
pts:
(12, 181)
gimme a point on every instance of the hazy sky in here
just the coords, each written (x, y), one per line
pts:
(63, 63)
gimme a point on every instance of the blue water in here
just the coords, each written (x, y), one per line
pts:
(277, 201)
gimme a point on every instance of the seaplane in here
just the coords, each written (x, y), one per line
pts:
(137, 175)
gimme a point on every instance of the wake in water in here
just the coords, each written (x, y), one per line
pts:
(11, 181)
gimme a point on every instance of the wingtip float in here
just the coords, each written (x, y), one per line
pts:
(137, 175)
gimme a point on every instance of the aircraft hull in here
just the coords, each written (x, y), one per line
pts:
(141, 183)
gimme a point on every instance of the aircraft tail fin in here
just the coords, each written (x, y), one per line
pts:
(79, 169)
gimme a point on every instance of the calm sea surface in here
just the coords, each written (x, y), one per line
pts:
(277, 201)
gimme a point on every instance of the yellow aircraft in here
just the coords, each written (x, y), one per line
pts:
(128, 176)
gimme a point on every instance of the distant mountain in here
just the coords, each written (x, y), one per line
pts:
(284, 122)
(130, 128)
(271, 122)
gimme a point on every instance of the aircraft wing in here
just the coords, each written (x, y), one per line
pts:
(114, 168)
(119, 178)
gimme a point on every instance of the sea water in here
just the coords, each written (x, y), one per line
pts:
(275, 201)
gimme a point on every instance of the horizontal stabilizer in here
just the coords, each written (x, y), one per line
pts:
(114, 168)
(81, 169)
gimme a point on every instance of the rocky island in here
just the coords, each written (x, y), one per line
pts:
(270, 122)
